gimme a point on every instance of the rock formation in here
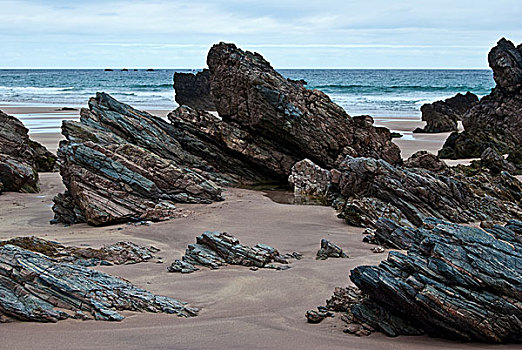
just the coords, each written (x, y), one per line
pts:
(44, 160)
(34, 287)
(329, 250)
(496, 120)
(215, 249)
(299, 123)
(193, 90)
(425, 160)
(456, 282)
(309, 179)
(118, 253)
(17, 167)
(442, 116)
(365, 189)
(120, 164)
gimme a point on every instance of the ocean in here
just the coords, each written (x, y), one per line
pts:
(380, 93)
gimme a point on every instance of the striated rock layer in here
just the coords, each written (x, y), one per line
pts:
(215, 249)
(496, 120)
(290, 119)
(455, 282)
(365, 189)
(34, 287)
(120, 164)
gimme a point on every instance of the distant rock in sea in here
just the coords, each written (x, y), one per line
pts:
(442, 116)
(35, 287)
(496, 120)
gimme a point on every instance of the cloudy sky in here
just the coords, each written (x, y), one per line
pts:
(290, 34)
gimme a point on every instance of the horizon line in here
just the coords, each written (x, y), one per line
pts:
(276, 68)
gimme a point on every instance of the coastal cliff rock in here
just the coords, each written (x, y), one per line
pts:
(215, 249)
(455, 282)
(496, 120)
(365, 189)
(193, 90)
(300, 123)
(120, 164)
(118, 253)
(34, 287)
(442, 116)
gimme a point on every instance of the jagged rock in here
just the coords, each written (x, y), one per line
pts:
(118, 253)
(366, 189)
(299, 123)
(310, 179)
(120, 164)
(496, 120)
(442, 116)
(495, 162)
(17, 167)
(44, 160)
(316, 316)
(374, 188)
(215, 249)
(329, 250)
(193, 90)
(34, 287)
(455, 282)
(425, 160)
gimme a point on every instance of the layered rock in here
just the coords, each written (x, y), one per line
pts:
(299, 123)
(118, 253)
(442, 116)
(193, 90)
(120, 164)
(329, 250)
(44, 160)
(496, 120)
(455, 282)
(34, 287)
(425, 160)
(365, 189)
(215, 249)
(17, 166)
(309, 179)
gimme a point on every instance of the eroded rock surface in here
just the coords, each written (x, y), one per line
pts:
(193, 90)
(300, 123)
(455, 282)
(215, 249)
(120, 164)
(34, 287)
(496, 120)
(442, 116)
(425, 160)
(118, 253)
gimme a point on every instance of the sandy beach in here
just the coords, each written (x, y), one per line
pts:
(240, 308)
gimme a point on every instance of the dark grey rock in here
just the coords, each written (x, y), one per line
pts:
(193, 90)
(329, 250)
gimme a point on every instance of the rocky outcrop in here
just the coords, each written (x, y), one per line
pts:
(118, 253)
(496, 120)
(193, 90)
(120, 164)
(44, 160)
(17, 165)
(215, 249)
(425, 160)
(455, 282)
(309, 179)
(366, 189)
(34, 287)
(298, 122)
(442, 116)
(329, 250)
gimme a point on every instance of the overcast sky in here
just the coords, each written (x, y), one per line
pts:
(290, 34)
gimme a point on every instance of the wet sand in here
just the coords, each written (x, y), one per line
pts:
(240, 308)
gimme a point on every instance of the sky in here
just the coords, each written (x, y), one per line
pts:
(290, 34)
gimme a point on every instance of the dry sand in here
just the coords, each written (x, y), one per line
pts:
(240, 309)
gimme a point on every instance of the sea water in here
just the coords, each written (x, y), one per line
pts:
(381, 93)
